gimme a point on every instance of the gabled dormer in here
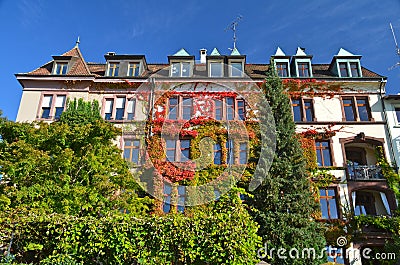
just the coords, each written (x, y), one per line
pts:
(281, 63)
(301, 64)
(215, 64)
(181, 64)
(345, 64)
(236, 63)
(125, 65)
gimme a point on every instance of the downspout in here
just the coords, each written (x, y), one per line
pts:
(390, 143)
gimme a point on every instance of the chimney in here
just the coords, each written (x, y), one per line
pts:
(203, 54)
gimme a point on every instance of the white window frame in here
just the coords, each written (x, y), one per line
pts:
(108, 68)
(56, 63)
(231, 67)
(308, 61)
(181, 68)
(348, 62)
(139, 66)
(222, 68)
(282, 61)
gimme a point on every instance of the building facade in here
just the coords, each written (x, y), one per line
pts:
(338, 109)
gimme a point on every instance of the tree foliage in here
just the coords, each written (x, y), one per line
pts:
(69, 167)
(284, 202)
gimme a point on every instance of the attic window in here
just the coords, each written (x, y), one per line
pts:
(236, 69)
(303, 69)
(180, 69)
(216, 69)
(61, 68)
(282, 69)
(113, 69)
(349, 69)
(134, 69)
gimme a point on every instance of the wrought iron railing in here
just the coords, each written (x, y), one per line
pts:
(363, 172)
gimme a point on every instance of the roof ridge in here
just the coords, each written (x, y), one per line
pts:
(84, 62)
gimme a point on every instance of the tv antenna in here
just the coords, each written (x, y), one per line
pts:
(232, 27)
(397, 48)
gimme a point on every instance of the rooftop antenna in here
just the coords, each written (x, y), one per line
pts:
(397, 48)
(232, 27)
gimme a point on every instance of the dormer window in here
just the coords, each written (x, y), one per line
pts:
(61, 68)
(180, 69)
(354, 70)
(133, 69)
(349, 69)
(216, 69)
(113, 69)
(303, 69)
(282, 69)
(346, 64)
(236, 69)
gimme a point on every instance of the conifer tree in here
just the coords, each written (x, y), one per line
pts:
(283, 204)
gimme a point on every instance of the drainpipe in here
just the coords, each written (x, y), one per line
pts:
(390, 143)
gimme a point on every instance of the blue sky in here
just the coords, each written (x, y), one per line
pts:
(34, 30)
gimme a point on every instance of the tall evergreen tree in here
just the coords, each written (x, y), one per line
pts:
(283, 204)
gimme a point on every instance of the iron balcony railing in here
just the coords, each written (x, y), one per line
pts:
(363, 172)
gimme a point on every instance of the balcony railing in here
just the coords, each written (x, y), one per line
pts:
(361, 172)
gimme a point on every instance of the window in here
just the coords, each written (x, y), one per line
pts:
(181, 198)
(59, 106)
(303, 69)
(397, 110)
(349, 112)
(328, 204)
(303, 109)
(218, 109)
(61, 68)
(216, 69)
(187, 108)
(185, 150)
(113, 69)
(119, 108)
(241, 109)
(52, 106)
(356, 109)
(229, 153)
(177, 150)
(243, 153)
(171, 150)
(217, 154)
(323, 151)
(335, 255)
(181, 69)
(282, 69)
(236, 69)
(46, 106)
(230, 108)
(108, 109)
(343, 70)
(167, 190)
(354, 70)
(173, 108)
(132, 150)
(131, 109)
(133, 69)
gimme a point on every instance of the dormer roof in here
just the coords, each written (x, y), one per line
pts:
(78, 64)
(300, 53)
(346, 55)
(182, 54)
(235, 51)
(215, 52)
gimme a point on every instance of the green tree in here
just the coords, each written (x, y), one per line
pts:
(284, 204)
(70, 167)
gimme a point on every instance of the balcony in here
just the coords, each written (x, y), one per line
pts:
(364, 172)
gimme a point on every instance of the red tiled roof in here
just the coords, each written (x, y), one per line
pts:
(78, 66)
